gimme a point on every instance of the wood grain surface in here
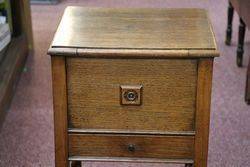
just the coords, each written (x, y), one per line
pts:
(168, 96)
(144, 146)
(132, 53)
(60, 111)
(204, 88)
(166, 51)
(134, 28)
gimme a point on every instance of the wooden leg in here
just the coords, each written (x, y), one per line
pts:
(60, 111)
(75, 164)
(240, 49)
(230, 13)
(247, 92)
(202, 114)
(189, 165)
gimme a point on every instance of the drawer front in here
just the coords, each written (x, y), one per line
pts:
(168, 94)
(140, 146)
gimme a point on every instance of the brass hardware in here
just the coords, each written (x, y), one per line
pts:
(131, 148)
(130, 95)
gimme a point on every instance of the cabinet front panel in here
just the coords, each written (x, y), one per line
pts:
(164, 94)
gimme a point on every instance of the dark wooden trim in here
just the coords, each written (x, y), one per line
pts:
(60, 110)
(204, 86)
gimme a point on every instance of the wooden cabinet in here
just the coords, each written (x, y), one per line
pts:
(20, 47)
(132, 85)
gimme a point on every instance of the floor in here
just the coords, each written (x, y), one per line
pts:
(26, 138)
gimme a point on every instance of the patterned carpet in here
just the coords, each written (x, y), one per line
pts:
(26, 139)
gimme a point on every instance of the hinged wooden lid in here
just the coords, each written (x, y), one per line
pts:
(149, 31)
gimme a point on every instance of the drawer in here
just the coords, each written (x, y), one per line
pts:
(168, 94)
(136, 146)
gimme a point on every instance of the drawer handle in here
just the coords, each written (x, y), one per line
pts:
(131, 148)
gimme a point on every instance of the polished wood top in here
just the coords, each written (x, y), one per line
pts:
(134, 33)
(110, 28)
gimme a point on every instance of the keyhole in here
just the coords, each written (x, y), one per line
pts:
(130, 95)
(131, 147)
